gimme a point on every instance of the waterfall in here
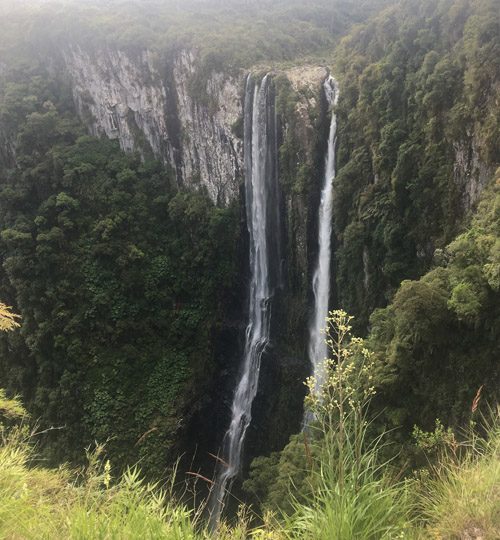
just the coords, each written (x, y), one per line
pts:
(263, 222)
(321, 277)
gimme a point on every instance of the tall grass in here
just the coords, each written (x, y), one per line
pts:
(58, 504)
(355, 499)
(38, 503)
(460, 496)
(353, 495)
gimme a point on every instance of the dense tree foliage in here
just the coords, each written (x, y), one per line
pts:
(437, 342)
(418, 135)
(117, 276)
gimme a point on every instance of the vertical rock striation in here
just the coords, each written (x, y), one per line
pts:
(160, 111)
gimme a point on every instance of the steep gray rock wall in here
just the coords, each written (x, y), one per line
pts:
(127, 98)
(109, 86)
(470, 172)
(307, 83)
(155, 107)
(211, 151)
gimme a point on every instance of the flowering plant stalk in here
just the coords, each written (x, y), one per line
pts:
(340, 393)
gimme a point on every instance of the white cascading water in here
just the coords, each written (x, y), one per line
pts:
(260, 188)
(321, 277)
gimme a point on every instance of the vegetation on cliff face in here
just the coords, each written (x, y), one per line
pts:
(418, 140)
(418, 135)
(118, 277)
(437, 341)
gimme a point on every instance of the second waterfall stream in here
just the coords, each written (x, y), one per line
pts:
(321, 277)
(263, 222)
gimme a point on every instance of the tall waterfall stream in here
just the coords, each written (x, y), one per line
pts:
(321, 277)
(262, 211)
(263, 222)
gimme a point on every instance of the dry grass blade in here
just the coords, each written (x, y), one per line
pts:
(197, 475)
(477, 399)
(219, 459)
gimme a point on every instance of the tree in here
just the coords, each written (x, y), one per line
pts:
(8, 320)
(10, 408)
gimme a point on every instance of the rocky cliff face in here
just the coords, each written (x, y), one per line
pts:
(155, 107)
(151, 108)
(307, 130)
(470, 172)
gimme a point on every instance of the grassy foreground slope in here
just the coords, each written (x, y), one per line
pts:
(458, 498)
(353, 495)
